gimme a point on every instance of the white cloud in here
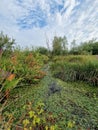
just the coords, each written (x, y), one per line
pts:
(70, 7)
(74, 18)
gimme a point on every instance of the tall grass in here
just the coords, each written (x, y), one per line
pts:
(76, 68)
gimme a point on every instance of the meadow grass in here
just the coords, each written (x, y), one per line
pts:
(76, 68)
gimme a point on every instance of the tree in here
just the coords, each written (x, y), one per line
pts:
(73, 47)
(87, 47)
(95, 48)
(43, 50)
(64, 43)
(59, 45)
(73, 44)
(6, 43)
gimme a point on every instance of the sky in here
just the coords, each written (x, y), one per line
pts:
(32, 22)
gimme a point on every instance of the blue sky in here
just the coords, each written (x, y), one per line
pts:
(29, 20)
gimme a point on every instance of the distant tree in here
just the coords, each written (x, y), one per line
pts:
(59, 45)
(73, 44)
(64, 42)
(64, 45)
(74, 49)
(43, 50)
(57, 48)
(95, 48)
(6, 43)
(88, 47)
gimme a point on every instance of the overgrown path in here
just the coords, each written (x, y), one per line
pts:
(69, 103)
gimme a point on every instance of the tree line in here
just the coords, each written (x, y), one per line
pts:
(59, 46)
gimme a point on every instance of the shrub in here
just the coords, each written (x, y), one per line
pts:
(28, 66)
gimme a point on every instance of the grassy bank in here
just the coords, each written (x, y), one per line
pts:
(76, 68)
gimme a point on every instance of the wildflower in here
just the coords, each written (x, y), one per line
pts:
(26, 122)
(71, 124)
(46, 128)
(31, 114)
(52, 128)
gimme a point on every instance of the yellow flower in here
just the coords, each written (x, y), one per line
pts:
(40, 112)
(26, 122)
(38, 120)
(8, 129)
(71, 124)
(52, 127)
(31, 114)
(25, 129)
(46, 128)
(34, 123)
(30, 128)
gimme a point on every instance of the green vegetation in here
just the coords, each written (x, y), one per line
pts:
(43, 89)
(6, 44)
(89, 47)
(59, 46)
(76, 68)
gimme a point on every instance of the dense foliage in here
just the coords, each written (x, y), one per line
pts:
(6, 44)
(59, 45)
(76, 68)
(89, 47)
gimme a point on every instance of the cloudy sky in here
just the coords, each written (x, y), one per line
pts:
(29, 20)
